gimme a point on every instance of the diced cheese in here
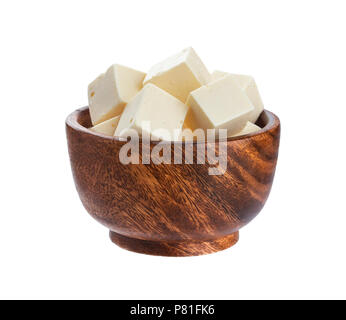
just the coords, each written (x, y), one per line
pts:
(248, 84)
(155, 107)
(109, 93)
(221, 105)
(179, 74)
(249, 128)
(107, 127)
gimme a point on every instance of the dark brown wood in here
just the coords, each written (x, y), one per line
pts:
(172, 210)
(182, 248)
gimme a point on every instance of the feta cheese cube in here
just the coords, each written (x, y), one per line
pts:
(248, 84)
(109, 93)
(179, 74)
(107, 127)
(249, 128)
(221, 104)
(155, 107)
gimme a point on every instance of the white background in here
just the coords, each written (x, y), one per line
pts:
(51, 50)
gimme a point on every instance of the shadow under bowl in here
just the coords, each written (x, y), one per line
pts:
(173, 209)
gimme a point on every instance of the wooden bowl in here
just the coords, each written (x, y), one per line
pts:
(172, 209)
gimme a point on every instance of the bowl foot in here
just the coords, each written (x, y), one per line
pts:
(182, 248)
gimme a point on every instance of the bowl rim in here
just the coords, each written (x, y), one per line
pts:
(273, 121)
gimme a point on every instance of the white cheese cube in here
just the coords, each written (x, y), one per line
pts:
(179, 74)
(248, 84)
(249, 128)
(221, 105)
(155, 107)
(109, 93)
(107, 127)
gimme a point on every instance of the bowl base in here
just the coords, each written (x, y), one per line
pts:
(184, 248)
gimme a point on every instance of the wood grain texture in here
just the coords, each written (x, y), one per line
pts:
(172, 210)
(182, 248)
